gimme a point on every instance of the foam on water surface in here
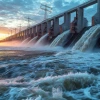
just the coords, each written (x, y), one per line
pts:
(63, 74)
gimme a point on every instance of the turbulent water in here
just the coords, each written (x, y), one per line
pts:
(32, 41)
(88, 40)
(42, 40)
(45, 73)
(49, 75)
(60, 39)
(25, 41)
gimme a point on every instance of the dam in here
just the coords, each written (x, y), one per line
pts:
(52, 28)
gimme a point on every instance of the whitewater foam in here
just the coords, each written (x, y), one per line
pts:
(24, 42)
(53, 77)
(42, 41)
(60, 39)
(88, 40)
(32, 41)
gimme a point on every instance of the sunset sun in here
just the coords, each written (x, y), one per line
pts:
(3, 36)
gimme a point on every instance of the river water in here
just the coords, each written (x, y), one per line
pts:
(49, 74)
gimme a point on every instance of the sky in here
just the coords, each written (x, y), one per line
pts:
(14, 13)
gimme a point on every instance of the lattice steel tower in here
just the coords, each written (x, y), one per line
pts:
(46, 9)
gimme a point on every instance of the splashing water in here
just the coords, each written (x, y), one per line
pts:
(42, 40)
(60, 39)
(57, 93)
(53, 77)
(24, 42)
(39, 98)
(88, 40)
(32, 41)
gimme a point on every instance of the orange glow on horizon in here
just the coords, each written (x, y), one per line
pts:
(3, 36)
(3, 32)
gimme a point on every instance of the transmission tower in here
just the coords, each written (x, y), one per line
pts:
(28, 20)
(46, 9)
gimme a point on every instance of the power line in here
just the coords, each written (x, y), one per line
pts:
(46, 9)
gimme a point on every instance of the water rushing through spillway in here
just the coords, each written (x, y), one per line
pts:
(42, 40)
(88, 40)
(61, 39)
(24, 42)
(32, 41)
(47, 73)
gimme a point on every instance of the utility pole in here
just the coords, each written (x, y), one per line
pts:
(46, 9)
(28, 22)
(20, 27)
(11, 32)
(15, 30)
